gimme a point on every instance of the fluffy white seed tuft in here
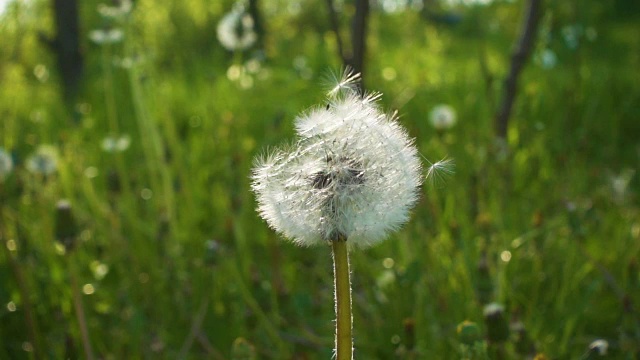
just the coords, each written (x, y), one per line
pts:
(354, 173)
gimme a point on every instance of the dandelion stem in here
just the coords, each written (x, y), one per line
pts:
(342, 283)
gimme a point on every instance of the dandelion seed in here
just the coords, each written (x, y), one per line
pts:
(236, 30)
(6, 164)
(442, 117)
(344, 82)
(354, 173)
(439, 171)
(44, 161)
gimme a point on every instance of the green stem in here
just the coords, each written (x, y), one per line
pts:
(29, 313)
(342, 283)
(33, 331)
(253, 304)
(80, 315)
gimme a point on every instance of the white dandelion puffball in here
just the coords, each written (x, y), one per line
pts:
(106, 36)
(112, 144)
(442, 117)
(235, 30)
(44, 161)
(6, 164)
(353, 174)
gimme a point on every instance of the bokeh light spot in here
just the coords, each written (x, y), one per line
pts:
(88, 289)
(146, 194)
(505, 256)
(11, 245)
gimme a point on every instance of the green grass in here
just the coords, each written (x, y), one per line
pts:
(561, 247)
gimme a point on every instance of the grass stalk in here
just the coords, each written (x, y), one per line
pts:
(29, 312)
(342, 283)
(80, 315)
(33, 331)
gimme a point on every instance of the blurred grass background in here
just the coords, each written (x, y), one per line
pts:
(170, 259)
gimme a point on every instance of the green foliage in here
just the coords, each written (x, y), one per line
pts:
(174, 262)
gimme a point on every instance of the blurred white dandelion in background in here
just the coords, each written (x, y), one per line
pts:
(599, 347)
(547, 59)
(106, 36)
(113, 144)
(354, 173)
(236, 30)
(571, 35)
(301, 65)
(6, 164)
(124, 8)
(43, 161)
(442, 117)
(620, 184)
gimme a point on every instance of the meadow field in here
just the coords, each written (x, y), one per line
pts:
(129, 229)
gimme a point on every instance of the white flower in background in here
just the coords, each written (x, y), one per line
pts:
(300, 64)
(620, 184)
(442, 117)
(547, 59)
(354, 173)
(43, 161)
(235, 30)
(128, 62)
(571, 35)
(6, 164)
(113, 144)
(106, 36)
(124, 8)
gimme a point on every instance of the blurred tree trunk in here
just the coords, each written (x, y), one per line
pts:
(66, 45)
(518, 59)
(354, 59)
(359, 36)
(258, 25)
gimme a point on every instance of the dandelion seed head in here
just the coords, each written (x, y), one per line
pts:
(599, 346)
(6, 164)
(43, 161)
(236, 30)
(547, 59)
(442, 117)
(353, 173)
